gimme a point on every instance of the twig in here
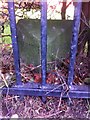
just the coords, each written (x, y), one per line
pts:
(85, 23)
(84, 16)
(3, 78)
(60, 99)
(82, 39)
(61, 61)
(65, 89)
(4, 12)
(82, 32)
(56, 58)
(54, 89)
(50, 115)
(6, 35)
(10, 55)
(88, 108)
(33, 68)
(11, 98)
(26, 78)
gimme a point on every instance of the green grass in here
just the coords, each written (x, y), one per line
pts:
(6, 39)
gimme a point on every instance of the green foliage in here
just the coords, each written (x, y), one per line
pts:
(6, 35)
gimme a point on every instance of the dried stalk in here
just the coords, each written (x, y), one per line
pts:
(3, 78)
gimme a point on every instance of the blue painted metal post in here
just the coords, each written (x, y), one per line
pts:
(74, 41)
(14, 41)
(43, 40)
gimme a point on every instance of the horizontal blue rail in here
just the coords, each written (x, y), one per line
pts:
(34, 89)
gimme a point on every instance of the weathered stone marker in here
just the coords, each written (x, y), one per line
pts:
(58, 39)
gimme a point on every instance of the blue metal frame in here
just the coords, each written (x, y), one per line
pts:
(74, 41)
(43, 40)
(43, 43)
(14, 41)
(44, 89)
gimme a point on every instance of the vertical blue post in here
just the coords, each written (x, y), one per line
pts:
(43, 40)
(14, 41)
(74, 41)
